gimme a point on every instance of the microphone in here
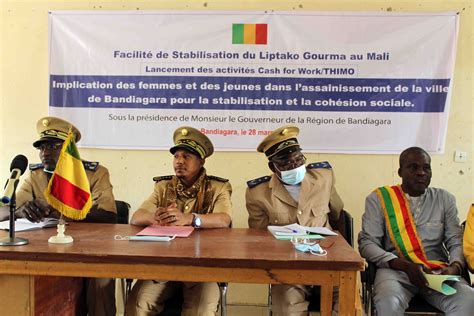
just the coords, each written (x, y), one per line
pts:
(17, 168)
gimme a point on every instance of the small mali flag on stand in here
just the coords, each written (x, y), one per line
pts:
(249, 34)
(68, 190)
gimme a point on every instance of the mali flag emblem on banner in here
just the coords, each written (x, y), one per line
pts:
(249, 34)
(68, 190)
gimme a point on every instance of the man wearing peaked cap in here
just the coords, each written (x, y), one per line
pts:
(280, 142)
(51, 129)
(190, 139)
(190, 197)
(294, 193)
(33, 206)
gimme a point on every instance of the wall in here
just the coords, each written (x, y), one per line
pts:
(24, 99)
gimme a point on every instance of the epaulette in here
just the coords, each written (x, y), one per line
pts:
(157, 179)
(317, 165)
(90, 165)
(35, 166)
(218, 178)
(255, 182)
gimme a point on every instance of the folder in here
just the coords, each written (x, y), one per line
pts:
(157, 230)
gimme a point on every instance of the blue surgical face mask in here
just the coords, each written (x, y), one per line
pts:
(314, 249)
(293, 176)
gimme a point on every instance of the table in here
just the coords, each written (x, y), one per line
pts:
(210, 255)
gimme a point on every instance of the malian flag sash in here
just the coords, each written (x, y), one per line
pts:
(402, 228)
(68, 189)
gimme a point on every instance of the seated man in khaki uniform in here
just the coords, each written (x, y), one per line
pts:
(190, 197)
(294, 193)
(31, 203)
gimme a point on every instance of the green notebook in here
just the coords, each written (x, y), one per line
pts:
(436, 282)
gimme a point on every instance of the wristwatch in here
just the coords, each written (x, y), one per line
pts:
(197, 222)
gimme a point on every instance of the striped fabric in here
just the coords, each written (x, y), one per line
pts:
(402, 228)
(249, 34)
(68, 190)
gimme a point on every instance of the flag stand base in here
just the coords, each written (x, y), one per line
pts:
(16, 241)
(60, 238)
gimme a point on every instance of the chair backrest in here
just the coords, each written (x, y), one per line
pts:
(123, 208)
(465, 273)
(345, 225)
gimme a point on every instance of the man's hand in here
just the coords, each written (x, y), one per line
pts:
(157, 215)
(415, 274)
(453, 269)
(48, 210)
(171, 215)
(414, 271)
(34, 210)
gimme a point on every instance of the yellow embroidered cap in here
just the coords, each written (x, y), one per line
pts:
(189, 138)
(280, 141)
(52, 128)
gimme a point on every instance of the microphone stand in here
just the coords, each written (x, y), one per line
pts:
(12, 240)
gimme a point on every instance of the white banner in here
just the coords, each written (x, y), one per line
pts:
(352, 82)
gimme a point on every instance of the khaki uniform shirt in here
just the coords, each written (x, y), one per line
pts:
(99, 179)
(221, 202)
(269, 203)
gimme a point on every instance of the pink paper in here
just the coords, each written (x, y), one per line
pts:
(156, 230)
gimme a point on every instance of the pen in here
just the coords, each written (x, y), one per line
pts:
(292, 230)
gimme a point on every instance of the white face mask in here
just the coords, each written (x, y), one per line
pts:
(293, 176)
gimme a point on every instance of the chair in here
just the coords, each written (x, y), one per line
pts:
(172, 305)
(223, 297)
(345, 226)
(123, 209)
(417, 305)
